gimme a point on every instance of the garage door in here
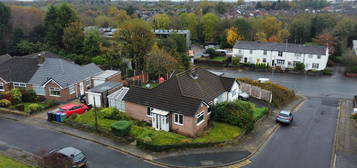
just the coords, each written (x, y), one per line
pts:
(91, 98)
(98, 82)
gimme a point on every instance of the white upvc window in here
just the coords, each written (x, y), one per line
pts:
(280, 62)
(19, 85)
(265, 52)
(318, 56)
(264, 60)
(55, 92)
(178, 119)
(200, 118)
(2, 87)
(311, 55)
(297, 55)
(280, 53)
(88, 82)
(250, 51)
(315, 66)
(71, 89)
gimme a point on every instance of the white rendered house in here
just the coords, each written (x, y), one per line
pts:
(284, 55)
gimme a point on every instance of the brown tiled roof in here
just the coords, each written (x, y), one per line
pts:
(182, 93)
(18, 69)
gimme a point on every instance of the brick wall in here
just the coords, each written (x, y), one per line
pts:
(137, 111)
(115, 78)
(64, 93)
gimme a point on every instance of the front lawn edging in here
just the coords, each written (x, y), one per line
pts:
(13, 111)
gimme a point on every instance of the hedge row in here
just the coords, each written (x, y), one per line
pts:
(159, 148)
(281, 94)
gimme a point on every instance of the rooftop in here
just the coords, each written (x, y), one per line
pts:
(105, 74)
(105, 87)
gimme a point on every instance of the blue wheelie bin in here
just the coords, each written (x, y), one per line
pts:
(58, 117)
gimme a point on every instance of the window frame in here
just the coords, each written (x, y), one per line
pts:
(19, 85)
(264, 60)
(278, 62)
(265, 52)
(89, 82)
(56, 90)
(177, 117)
(3, 87)
(315, 66)
(280, 53)
(201, 114)
(318, 57)
(39, 86)
(148, 111)
(250, 51)
(71, 89)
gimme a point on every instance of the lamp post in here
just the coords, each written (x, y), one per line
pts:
(95, 114)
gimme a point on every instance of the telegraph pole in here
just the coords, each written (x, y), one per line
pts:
(95, 114)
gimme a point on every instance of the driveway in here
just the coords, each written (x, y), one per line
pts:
(336, 86)
(33, 139)
(307, 142)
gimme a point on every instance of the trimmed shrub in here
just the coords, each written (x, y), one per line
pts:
(327, 72)
(121, 128)
(16, 95)
(112, 113)
(238, 113)
(235, 60)
(50, 103)
(34, 107)
(299, 66)
(5, 103)
(29, 96)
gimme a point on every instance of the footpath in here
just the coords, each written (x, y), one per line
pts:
(346, 138)
(234, 154)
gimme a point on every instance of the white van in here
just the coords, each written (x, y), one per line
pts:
(263, 80)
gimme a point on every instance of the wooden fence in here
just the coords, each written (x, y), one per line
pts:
(256, 91)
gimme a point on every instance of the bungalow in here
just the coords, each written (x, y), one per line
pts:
(183, 103)
(50, 76)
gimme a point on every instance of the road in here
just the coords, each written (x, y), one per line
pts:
(307, 142)
(33, 139)
(336, 86)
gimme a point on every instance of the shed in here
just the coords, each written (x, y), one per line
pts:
(116, 99)
(97, 96)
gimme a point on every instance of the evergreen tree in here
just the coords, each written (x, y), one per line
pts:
(4, 27)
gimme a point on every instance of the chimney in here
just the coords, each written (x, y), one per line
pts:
(40, 59)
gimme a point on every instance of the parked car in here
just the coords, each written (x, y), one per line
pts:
(263, 80)
(243, 96)
(78, 157)
(285, 117)
(70, 109)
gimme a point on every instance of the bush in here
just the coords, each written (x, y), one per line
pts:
(20, 107)
(6, 95)
(235, 60)
(113, 114)
(121, 128)
(49, 103)
(327, 72)
(299, 66)
(281, 94)
(238, 113)
(212, 52)
(16, 95)
(29, 96)
(34, 107)
(5, 103)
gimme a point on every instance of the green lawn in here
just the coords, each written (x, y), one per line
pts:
(26, 106)
(220, 58)
(89, 120)
(220, 132)
(155, 137)
(6, 162)
(259, 112)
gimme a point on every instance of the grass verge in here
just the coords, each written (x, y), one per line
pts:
(6, 162)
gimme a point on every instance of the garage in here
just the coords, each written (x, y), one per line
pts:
(97, 96)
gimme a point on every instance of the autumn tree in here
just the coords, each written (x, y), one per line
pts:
(209, 22)
(137, 37)
(261, 36)
(73, 37)
(300, 30)
(104, 21)
(326, 39)
(25, 18)
(161, 21)
(233, 36)
(245, 28)
(4, 27)
(159, 61)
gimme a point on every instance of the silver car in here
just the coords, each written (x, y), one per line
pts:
(78, 157)
(285, 117)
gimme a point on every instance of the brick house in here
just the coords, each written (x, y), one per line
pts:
(183, 103)
(51, 76)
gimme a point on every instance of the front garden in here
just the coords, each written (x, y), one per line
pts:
(6, 162)
(24, 101)
(112, 122)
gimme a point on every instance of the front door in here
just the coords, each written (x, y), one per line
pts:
(160, 122)
(245, 59)
(81, 88)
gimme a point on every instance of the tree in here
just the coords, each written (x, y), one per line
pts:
(37, 34)
(326, 39)
(16, 37)
(190, 21)
(209, 22)
(161, 21)
(4, 27)
(91, 43)
(244, 28)
(25, 47)
(300, 30)
(261, 36)
(233, 36)
(271, 26)
(73, 37)
(137, 37)
(52, 160)
(25, 18)
(158, 61)
(104, 21)
(221, 7)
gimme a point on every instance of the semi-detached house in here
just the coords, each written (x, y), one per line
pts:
(283, 55)
(51, 76)
(183, 103)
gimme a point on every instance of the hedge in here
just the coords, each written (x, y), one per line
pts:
(5, 103)
(121, 128)
(281, 94)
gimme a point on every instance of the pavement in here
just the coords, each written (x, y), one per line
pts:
(337, 85)
(346, 138)
(307, 142)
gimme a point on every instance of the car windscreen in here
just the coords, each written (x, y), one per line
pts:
(283, 115)
(61, 110)
(78, 157)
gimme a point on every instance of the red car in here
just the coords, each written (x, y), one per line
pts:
(70, 109)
